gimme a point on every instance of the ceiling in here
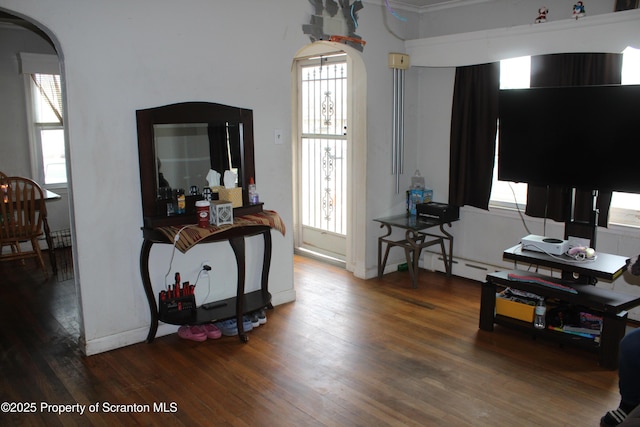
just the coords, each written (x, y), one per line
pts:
(413, 5)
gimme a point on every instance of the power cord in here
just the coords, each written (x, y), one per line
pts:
(206, 268)
(173, 252)
(515, 200)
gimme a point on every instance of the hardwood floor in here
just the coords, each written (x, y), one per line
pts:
(348, 352)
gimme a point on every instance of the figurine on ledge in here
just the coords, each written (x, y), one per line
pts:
(578, 10)
(542, 15)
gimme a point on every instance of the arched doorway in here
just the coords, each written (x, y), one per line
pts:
(38, 51)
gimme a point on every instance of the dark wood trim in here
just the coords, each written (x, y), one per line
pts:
(189, 112)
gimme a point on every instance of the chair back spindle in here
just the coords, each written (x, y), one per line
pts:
(22, 210)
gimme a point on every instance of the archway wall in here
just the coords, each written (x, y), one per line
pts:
(120, 56)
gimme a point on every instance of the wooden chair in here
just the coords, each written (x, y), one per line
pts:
(22, 211)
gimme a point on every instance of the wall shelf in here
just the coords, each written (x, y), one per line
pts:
(611, 32)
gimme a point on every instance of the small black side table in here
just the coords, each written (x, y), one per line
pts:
(415, 240)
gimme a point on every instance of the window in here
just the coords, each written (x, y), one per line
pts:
(514, 74)
(48, 128)
(625, 207)
(323, 90)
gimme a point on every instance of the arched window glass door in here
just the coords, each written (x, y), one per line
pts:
(336, 146)
(324, 154)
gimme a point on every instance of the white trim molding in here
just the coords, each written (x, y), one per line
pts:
(38, 63)
(611, 32)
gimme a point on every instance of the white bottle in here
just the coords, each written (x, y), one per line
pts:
(253, 194)
(417, 180)
(541, 311)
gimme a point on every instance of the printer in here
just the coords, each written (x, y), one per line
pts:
(440, 211)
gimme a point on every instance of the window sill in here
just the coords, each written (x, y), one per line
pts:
(58, 186)
(624, 218)
(618, 218)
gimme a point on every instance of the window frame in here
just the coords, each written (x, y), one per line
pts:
(30, 64)
(620, 216)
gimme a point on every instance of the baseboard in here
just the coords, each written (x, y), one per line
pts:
(373, 271)
(461, 267)
(283, 297)
(123, 339)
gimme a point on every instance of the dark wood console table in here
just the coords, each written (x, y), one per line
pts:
(235, 234)
(610, 305)
(415, 240)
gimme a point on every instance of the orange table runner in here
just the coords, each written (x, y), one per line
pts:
(191, 234)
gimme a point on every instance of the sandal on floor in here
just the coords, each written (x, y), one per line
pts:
(229, 327)
(212, 331)
(193, 333)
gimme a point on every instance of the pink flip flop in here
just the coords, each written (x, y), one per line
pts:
(193, 333)
(211, 331)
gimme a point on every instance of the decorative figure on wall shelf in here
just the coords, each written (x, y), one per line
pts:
(578, 10)
(335, 21)
(542, 15)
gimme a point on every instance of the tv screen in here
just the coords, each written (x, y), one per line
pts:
(584, 137)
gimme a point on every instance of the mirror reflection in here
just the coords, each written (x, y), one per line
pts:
(179, 144)
(186, 151)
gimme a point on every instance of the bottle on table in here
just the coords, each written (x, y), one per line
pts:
(253, 194)
(541, 311)
(182, 203)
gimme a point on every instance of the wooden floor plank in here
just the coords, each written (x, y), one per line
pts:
(348, 352)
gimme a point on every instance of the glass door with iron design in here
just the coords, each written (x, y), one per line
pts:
(323, 155)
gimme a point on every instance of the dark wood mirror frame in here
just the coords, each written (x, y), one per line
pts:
(189, 112)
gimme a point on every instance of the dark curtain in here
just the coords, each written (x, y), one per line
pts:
(575, 69)
(218, 148)
(223, 151)
(473, 134)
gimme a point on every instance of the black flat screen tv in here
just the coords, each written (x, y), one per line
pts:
(585, 137)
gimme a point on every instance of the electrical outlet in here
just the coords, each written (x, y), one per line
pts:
(277, 136)
(202, 266)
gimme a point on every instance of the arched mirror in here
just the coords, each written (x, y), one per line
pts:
(179, 144)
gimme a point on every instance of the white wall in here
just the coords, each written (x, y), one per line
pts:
(119, 56)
